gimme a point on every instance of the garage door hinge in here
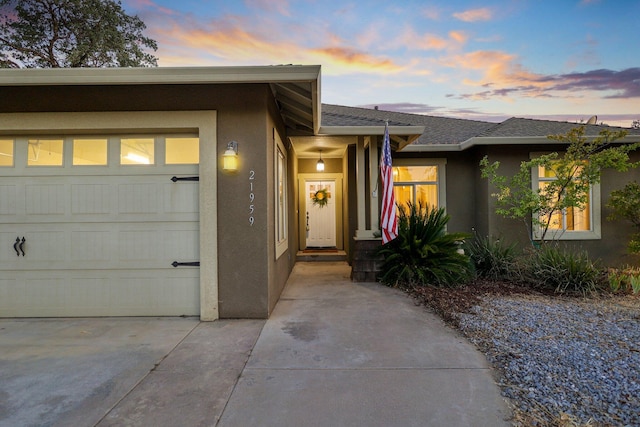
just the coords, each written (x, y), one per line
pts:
(185, 178)
(186, 264)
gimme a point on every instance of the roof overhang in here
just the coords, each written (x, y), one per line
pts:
(295, 87)
(332, 141)
(400, 136)
(478, 141)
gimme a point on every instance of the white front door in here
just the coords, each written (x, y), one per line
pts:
(321, 217)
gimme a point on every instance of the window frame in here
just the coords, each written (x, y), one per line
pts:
(441, 183)
(595, 233)
(281, 224)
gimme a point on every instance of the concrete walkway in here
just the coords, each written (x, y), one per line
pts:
(333, 353)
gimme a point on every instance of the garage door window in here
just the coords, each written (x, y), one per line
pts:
(182, 151)
(137, 151)
(45, 152)
(90, 152)
(6, 152)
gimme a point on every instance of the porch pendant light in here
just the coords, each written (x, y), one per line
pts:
(320, 164)
(230, 157)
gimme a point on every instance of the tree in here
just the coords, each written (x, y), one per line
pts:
(625, 204)
(572, 176)
(72, 33)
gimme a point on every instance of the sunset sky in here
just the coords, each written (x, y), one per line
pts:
(556, 59)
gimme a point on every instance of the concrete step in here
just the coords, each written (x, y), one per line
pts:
(320, 255)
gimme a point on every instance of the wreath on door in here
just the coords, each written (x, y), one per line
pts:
(320, 198)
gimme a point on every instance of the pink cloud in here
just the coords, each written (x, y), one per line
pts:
(502, 76)
(412, 40)
(474, 15)
(353, 58)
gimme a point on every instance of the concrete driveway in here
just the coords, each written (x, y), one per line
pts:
(148, 371)
(333, 353)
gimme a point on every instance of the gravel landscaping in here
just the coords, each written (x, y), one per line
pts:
(562, 361)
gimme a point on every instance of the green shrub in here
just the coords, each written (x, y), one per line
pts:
(625, 204)
(626, 280)
(424, 253)
(492, 258)
(562, 271)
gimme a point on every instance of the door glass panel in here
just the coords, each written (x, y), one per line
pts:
(6, 152)
(45, 152)
(137, 151)
(182, 151)
(90, 151)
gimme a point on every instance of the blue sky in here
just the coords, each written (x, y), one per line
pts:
(557, 59)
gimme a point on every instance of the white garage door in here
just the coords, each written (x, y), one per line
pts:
(91, 226)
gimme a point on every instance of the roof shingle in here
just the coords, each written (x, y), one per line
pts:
(445, 130)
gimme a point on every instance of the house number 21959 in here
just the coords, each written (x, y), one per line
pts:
(252, 197)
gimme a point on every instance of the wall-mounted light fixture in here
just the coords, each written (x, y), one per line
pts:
(320, 164)
(230, 157)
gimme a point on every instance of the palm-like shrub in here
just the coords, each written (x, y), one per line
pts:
(424, 253)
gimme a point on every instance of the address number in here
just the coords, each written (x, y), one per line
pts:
(252, 197)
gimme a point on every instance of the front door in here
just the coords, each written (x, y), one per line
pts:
(321, 213)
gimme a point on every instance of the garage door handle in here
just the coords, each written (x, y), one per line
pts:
(185, 178)
(19, 244)
(186, 264)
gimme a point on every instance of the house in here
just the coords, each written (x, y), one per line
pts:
(454, 148)
(115, 198)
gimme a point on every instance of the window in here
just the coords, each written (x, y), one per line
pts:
(182, 151)
(571, 223)
(45, 152)
(6, 152)
(281, 226)
(137, 151)
(88, 152)
(419, 183)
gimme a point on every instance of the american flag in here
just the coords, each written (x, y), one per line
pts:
(388, 217)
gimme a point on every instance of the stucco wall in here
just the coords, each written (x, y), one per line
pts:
(610, 248)
(461, 205)
(250, 279)
(511, 230)
(472, 208)
(279, 268)
(330, 165)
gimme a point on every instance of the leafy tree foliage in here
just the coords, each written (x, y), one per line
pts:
(71, 33)
(575, 172)
(625, 204)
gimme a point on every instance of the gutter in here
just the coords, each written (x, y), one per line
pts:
(159, 75)
(480, 141)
